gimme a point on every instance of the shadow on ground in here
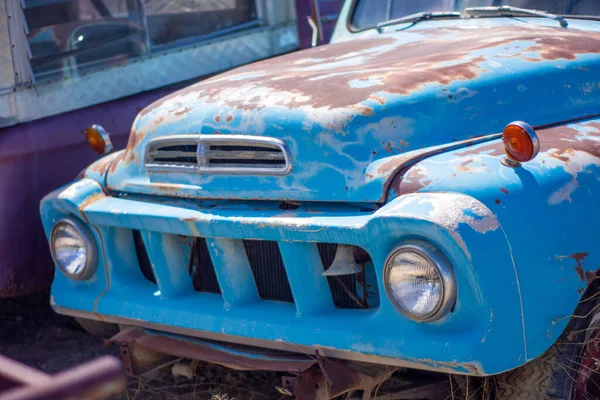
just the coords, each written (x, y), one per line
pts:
(32, 333)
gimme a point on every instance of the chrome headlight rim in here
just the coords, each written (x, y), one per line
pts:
(444, 270)
(91, 261)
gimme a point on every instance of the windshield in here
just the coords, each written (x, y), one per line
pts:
(368, 13)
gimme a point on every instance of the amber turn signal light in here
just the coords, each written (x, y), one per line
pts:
(521, 143)
(98, 139)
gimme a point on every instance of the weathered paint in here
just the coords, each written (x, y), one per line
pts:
(392, 94)
(408, 120)
(460, 341)
(545, 209)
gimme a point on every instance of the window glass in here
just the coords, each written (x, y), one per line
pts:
(69, 38)
(368, 13)
(185, 21)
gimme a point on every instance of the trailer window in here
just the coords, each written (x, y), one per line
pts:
(69, 38)
(181, 23)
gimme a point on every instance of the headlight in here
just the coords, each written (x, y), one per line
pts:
(420, 281)
(73, 249)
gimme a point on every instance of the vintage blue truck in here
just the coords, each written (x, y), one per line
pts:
(421, 193)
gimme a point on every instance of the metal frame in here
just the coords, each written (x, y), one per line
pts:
(444, 269)
(91, 261)
(26, 101)
(203, 141)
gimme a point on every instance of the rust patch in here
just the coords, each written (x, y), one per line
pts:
(497, 201)
(115, 162)
(157, 122)
(563, 141)
(217, 118)
(135, 138)
(229, 118)
(579, 258)
(377, 99)
(101, 165)
(439, 57)
(415, 181)
(90, 200)
(560, 142)
(183, 112)
(465, 167)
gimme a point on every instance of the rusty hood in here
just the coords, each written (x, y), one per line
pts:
(352, 113)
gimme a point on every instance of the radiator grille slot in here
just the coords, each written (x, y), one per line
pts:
(202, 269)
(341, 298)
(219, 154)
(142, 256)
(268, 270)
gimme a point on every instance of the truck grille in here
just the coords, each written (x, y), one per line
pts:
(268, 271)
(219, 154)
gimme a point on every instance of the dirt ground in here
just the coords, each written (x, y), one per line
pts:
(32, 333)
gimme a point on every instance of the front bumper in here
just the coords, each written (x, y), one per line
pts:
(486, 317)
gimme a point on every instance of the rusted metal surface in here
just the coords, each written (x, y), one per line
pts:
(96, 379)
(568, 145)
(444, 55)
(394, 94)
(310, 384)
(240, 358)
(316, 378)
(332, 378)
(404, 126)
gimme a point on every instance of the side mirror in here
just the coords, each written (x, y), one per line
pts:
(315, 23)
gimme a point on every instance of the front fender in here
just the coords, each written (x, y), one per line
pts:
(548, 210)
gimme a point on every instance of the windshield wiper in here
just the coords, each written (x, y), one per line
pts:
(509, 11)
(418, 17)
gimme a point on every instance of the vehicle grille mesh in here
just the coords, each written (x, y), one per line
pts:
(202, 270)
(218, 154)
(268, 270)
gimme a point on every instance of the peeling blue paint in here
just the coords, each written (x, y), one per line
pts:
(383, 152)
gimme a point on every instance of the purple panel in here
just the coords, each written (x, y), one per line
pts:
(36, 158)
(304, 10)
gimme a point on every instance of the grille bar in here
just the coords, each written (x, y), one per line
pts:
(219, 154)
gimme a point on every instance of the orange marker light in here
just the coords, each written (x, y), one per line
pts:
(98, 139)
(521, 143)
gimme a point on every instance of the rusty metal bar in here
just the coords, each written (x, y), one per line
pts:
(349, 292)
(93, 380)
(21, 374)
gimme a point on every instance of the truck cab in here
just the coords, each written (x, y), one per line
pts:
(417, 194)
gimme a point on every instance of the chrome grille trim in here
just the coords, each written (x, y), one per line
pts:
(219, 154)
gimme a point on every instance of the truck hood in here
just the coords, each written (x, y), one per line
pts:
(353, 113)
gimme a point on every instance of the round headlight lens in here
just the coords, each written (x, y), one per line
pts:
(73, 249)
(419, 282)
